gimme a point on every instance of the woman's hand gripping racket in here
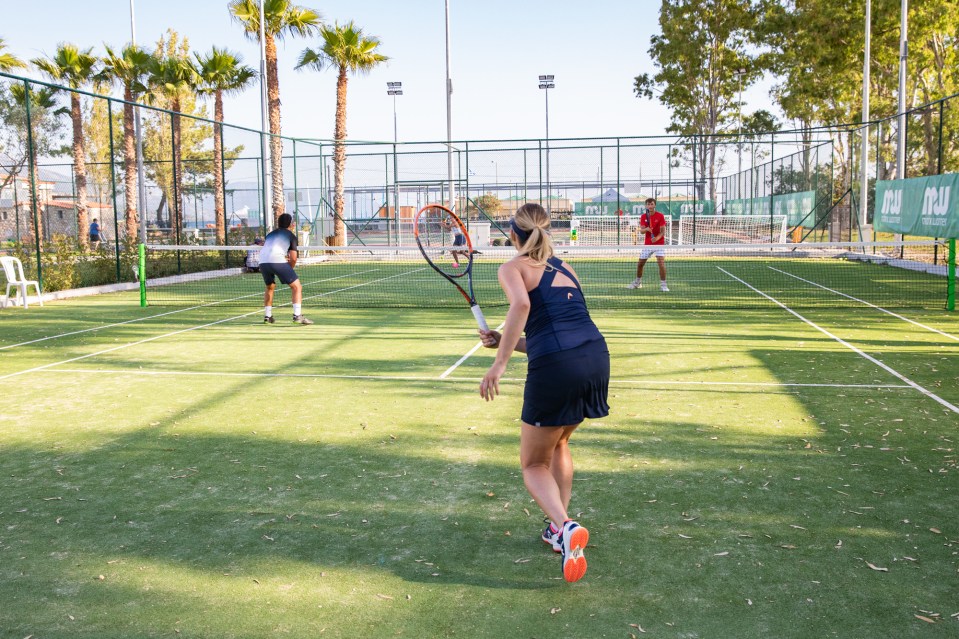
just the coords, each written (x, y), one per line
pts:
(438, 231)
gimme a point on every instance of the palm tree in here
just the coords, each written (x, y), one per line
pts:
(221, 71)
(281, 18)
(76, 69)
(350, 51)
(172, 77)
(130, 68)
(8, 61)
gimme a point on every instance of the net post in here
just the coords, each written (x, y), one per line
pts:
(142, 273)
(951, 281)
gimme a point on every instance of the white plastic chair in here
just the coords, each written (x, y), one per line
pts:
(13, 270)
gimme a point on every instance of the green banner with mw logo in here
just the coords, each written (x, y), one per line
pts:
(918, 206)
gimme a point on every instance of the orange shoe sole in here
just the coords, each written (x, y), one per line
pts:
(574, 565)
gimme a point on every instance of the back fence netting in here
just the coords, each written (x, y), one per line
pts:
(810, 275)
(722, 188)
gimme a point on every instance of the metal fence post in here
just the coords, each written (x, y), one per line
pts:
(113, 190)
(33, 182)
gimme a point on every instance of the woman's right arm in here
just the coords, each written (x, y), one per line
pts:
(491, 339)
(513, 285)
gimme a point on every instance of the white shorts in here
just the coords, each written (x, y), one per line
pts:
(646, 253)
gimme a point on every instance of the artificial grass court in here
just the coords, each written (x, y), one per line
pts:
(199, 474)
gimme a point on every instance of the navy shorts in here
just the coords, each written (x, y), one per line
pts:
(566, 387)
(283, 271)
(459, 240)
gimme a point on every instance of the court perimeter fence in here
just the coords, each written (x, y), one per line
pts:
(812, 176)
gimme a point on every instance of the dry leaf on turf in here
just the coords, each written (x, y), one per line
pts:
(877, 568)
(926, 619)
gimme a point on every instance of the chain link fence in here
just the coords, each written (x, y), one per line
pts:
(49, 202)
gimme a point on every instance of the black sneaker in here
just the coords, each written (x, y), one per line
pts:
(268, 320)
(301, 319)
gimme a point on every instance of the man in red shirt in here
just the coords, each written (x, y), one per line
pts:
(653, 225)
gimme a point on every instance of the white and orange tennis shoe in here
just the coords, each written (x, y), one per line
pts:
(573, 539)
(551, 536)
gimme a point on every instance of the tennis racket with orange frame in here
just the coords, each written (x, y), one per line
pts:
(435, 229)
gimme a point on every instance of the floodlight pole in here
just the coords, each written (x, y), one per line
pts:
(449, 114)
(903, 55)
(394, 89)
(264, 124)
(141, 181)
(864, 232)
(739, 137)
(546, 83)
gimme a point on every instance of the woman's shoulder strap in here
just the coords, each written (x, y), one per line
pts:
(558, 265)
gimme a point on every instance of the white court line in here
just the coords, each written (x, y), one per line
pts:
(872, 359)
(878, 308)
(185, 330)
(416, 378)
(182, 310)
(478, 346)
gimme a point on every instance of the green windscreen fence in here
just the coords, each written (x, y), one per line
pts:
(922, 206)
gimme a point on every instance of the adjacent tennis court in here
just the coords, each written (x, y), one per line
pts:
(185, 470)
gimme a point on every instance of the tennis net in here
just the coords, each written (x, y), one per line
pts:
(804, 275)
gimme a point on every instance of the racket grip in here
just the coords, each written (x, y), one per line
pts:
(478, 314)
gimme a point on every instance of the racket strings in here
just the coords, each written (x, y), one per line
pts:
(436, 230)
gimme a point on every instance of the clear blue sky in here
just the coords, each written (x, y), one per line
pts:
(499, 47)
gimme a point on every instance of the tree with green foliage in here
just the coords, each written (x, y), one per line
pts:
(489, 203)
(75, 68)
(934, 62)
(349, 50)
(281, 18)
(172, 82)
(702, 47)
(815, 47)
(221, 71)
(130, 67)
(96, 129)
(46, 126)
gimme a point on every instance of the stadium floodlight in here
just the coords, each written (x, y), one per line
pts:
(546, 83)
(394, 89)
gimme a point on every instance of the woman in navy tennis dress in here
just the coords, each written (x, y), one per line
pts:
(567, 378)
